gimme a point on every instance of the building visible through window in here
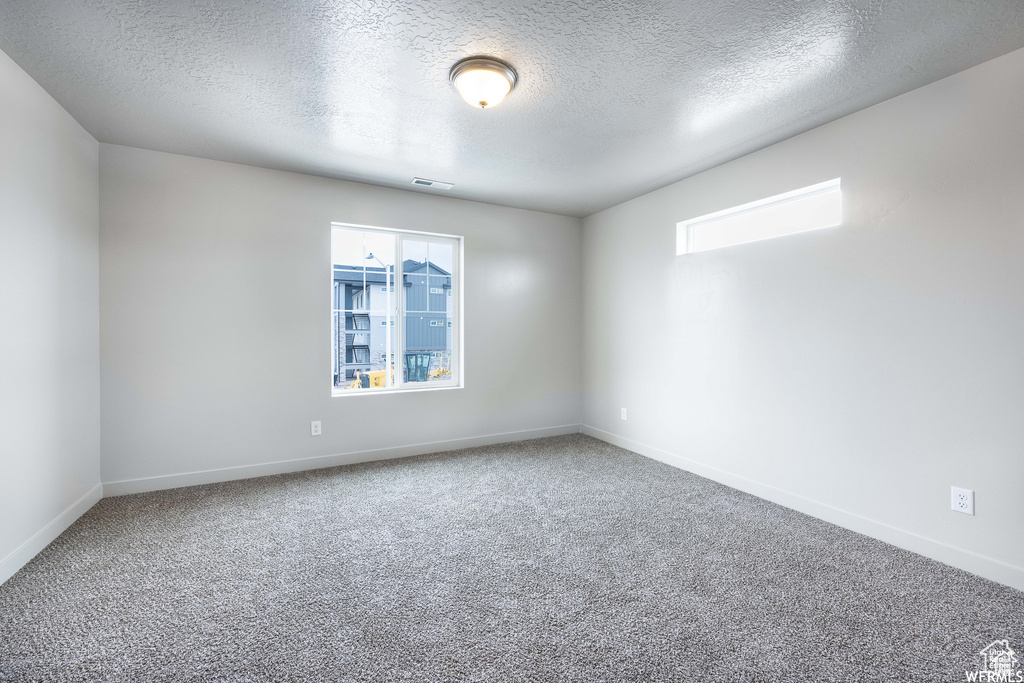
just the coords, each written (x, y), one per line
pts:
(385, 339)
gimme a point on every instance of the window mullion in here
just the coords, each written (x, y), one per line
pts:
(398, 310)
(456, 314)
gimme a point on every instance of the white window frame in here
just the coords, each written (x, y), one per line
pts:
(456, 379)
(684, 229)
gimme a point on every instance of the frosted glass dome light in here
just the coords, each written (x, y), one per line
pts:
(483, 82)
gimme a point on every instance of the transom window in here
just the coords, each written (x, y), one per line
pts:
(396, 310)
(809, 208)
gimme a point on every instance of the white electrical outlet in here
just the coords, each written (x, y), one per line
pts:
(623, 413)
(314, 428)
(961, 500)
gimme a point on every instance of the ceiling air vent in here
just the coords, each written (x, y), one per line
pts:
(436, 184)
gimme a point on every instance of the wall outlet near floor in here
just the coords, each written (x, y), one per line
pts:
(961, 500)
(623, 413)
(314, 428)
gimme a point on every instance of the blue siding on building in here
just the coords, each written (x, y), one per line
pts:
(439, 288)
(422, 307)
(420, 335)
(416, 292)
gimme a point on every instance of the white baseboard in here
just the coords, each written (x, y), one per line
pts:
(987, 567)
(173, 481)
(42, 538)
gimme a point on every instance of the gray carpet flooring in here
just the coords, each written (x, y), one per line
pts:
(547, 560)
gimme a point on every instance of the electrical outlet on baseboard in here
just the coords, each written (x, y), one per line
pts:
(961, 500)
(623, 413)
(314, 428)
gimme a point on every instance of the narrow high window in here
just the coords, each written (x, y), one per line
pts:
(809, 208)
(395, 318)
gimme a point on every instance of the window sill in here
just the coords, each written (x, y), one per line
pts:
(335, 393)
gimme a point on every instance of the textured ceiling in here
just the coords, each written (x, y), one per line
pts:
(614, 99)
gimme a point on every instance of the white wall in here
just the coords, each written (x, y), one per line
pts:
(854, 373)
(215, 322)
(49, 312)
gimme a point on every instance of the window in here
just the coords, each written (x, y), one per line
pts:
(809, 208)
(407, 334)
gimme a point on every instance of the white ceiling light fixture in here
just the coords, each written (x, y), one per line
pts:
(483, 81)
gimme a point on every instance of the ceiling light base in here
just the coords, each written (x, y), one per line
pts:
(483, 81)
